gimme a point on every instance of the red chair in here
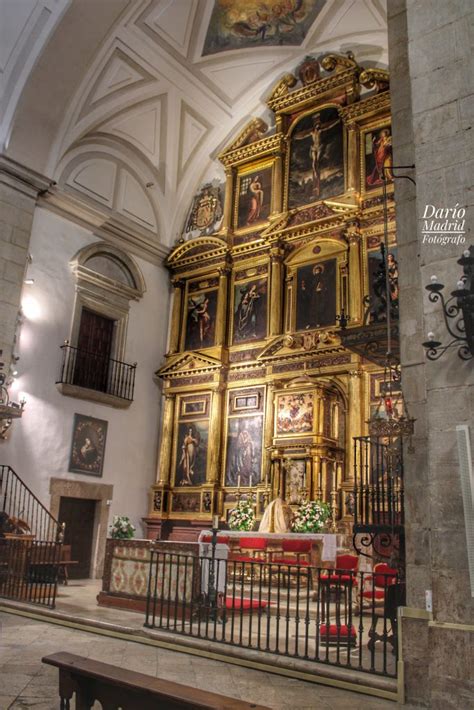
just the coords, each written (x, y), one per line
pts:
(338, 582)
(295, 552)
(382, 577)
(252, 549)
(221, 539)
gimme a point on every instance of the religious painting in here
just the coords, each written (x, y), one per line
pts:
(191, 453)
(244, 451)
(316, 164)
(205, 215)
(246, 400)
(316, 295)
(201, 320)
(186, 503)
(238, 24)
(88, 445)
(194, 405)
(250, 311)
(254, 193)
(378, 265)
(380, 386)
(378, 157)
(295, 413)
(295, 480)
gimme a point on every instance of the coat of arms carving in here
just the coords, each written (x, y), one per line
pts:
(206, 210)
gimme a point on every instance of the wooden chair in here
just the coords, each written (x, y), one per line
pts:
(64, 563)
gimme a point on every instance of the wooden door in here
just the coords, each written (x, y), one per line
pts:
(94, 346)
(78, 514)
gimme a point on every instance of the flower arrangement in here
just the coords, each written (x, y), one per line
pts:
(242, 517)
(122, 528)
(311, 517)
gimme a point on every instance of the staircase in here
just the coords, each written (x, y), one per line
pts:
(30, 544)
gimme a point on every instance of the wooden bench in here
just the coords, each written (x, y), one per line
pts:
(117, 687)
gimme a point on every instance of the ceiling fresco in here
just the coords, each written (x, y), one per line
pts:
(238, 24)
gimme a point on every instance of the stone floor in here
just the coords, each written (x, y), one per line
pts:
(26, 683)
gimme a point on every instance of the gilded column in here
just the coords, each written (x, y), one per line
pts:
(352, 160)
(355, 275)
(268, 423)
(164, 457)
(227, 211)
(221, 315)
(355, 423)
(175, 329)
(277, 186)
(323, 479)
(215, 424)
(276, 290)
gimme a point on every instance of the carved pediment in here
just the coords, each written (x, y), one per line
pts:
(189, 364)
(195, 249)
(253, 131)
(289, 346)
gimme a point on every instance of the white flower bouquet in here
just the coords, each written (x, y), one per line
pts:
(242, 517)
(311, 517)
(122, 528)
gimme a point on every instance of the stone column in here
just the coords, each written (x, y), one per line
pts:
(176, 316)
(19, 189)
(164, 458)
(221, 314)
(276, 291)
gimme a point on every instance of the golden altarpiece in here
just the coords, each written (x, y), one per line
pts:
(261, 395)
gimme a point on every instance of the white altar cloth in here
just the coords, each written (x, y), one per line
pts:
(329, 540)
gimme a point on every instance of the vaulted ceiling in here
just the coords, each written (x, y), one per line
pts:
(126, 103)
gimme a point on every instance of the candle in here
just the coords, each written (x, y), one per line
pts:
(238, 481)
(215, 522)
(250, 481)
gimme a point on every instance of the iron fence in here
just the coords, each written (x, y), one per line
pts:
(29, 570)
(93, 371)
(338, 617)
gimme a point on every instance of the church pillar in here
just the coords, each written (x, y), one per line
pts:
(175, 329)
(221, 314)
(355, 274)
(215, 424)
(355, 421)
(164, 457)
(19, 189)
(276, 291)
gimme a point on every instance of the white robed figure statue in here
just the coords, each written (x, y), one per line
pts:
(277, 517)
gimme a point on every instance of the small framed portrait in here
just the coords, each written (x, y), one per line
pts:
(194, 406)
(88, 445)
(254, 197)
(377, 145)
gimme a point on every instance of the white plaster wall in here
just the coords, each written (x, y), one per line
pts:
(39, 444)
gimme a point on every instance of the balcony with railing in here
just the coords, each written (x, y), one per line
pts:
(89, 375)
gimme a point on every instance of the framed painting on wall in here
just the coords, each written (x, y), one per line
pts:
(250, 311)
(316, 295)
(377, 157)
(294, 413)
(254, 197)
(88, 445)
(244, 450)
(191, 453)
(316, 163)
(200, 329)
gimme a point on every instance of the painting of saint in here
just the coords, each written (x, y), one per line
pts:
(237, 24)
(201, 320)
(254, 198)
(316, 295)
(295, 413)
(378, 287)
(191, 453)
(378, 157)
(244, 451)
(88, 445)
(316, 158)
(250, 311)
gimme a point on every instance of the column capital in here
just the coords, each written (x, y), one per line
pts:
(178, 282)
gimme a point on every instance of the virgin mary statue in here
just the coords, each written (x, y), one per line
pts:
(277, 517)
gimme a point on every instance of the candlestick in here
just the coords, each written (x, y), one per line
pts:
(238, 481)
(250, 481)
(215, 522)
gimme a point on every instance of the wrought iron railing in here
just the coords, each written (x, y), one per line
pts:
(95, 372)
(29, 570)
(17, 501)
(378, 486)
(312, 614)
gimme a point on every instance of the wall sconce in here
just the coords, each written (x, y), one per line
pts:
(8, 410)
(458, 312)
